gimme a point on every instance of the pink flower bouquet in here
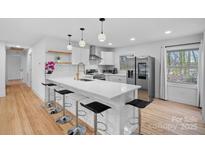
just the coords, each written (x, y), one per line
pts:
(49, 67)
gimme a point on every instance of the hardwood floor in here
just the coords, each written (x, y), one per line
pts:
(21, 112)
(165, 117)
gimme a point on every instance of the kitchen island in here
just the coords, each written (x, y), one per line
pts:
(112, 94)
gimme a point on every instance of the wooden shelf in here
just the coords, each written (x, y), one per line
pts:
(63, 62)
(60, 52)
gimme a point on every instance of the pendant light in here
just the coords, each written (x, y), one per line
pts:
(69, 47)
(82, 42)
(102, 36)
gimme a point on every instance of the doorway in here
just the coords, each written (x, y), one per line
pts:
(14, 70)
(17, 65)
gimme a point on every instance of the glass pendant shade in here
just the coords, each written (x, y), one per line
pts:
(82, 43)
(101, 37)
(69, 47)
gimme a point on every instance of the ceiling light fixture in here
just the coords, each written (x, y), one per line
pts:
(102, 36)
(168, 32)
(69, 47)
(82, 42)
(132, 39)
(110, 44)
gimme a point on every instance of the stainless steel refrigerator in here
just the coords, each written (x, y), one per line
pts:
(141, 71)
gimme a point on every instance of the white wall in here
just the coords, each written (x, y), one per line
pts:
(202, 97)
(3, 70)
(182, 93)
(40, 57)
(38, 64)
(59, 44)
(153, 49)
(24, 66)
(29, 68)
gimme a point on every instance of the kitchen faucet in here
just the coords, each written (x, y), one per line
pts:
(78, 70)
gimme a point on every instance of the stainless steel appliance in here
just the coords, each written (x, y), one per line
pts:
(141, 71)
(94, 54)
(95, 75)
(111, 71)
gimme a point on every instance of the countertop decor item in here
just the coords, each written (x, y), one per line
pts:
(58, 58)
(49, 67)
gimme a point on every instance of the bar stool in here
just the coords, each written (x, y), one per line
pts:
(64, 118)
(48, 103)
(78, 129)
(55, 109)
(97, 108)
(140, 104)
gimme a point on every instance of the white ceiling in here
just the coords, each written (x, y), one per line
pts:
(118, 30)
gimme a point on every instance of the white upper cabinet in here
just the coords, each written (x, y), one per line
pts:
(80, 55)
(107, 58)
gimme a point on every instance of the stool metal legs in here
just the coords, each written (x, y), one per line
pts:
(48, 104)
(56, 108)
(78, 129)
(139, 121)
(136, 121)
(65, 118)
(95, 123)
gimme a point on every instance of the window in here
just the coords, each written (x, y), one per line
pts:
(182, 66)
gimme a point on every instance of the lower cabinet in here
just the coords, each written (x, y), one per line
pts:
(115, 78)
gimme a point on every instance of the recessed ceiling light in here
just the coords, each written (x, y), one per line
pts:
(132, 39)
(168, 32)
(18, 46)
(109, 43)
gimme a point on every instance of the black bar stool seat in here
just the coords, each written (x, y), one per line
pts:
(96, 107)
(49, 84)
(138, 103)
(64, 118)
(63, 92)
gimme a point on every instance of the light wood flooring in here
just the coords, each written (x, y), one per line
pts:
(21, 112)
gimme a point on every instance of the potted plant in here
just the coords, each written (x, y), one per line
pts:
(49, 67)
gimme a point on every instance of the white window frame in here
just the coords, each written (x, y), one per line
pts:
(185, 47)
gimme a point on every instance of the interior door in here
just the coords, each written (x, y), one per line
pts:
(13, 67)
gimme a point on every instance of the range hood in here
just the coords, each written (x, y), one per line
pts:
(93, 53)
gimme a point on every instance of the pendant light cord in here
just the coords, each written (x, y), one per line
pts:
(101, 27)
(82, 35)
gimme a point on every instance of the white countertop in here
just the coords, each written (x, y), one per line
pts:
(99, 88)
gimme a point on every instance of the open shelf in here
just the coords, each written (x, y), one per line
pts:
(63, 62)
(59, 52)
